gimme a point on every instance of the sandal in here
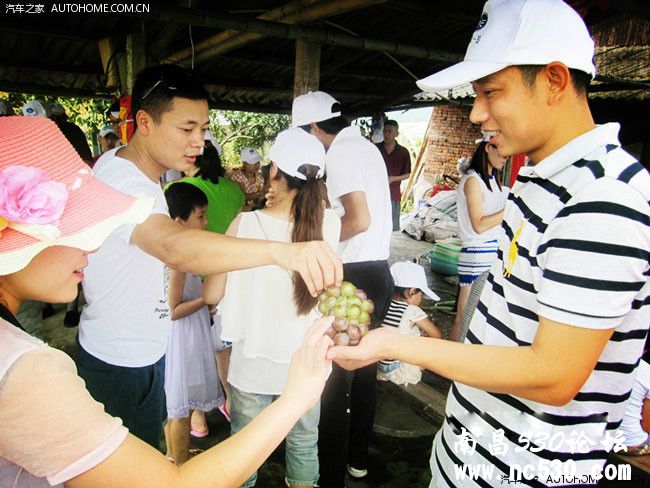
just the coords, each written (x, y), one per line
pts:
(199, 433)
(224, 410)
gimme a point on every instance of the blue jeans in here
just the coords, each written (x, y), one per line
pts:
(301, 451)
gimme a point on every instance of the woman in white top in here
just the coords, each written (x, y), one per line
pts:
(52, 214)
(266, 310)
(480, 202)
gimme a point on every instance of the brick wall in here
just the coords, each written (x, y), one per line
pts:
(451, 135)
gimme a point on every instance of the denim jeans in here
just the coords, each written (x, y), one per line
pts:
(301, 451)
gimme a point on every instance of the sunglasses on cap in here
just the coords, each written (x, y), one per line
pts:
(156, 85)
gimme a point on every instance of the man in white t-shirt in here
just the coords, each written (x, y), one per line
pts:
(124, 327)
(357, 187)
(541, 381)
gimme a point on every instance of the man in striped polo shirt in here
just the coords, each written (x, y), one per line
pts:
(541, 380)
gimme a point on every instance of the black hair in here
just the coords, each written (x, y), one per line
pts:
(183, 198)
(155, 88)
(579, 79)
(402, 292)
(391, 122)
(307, 211)
(112, 136)
(115, 107)
(209, 164)
(479, 163)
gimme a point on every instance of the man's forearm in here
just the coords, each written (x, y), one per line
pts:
(202, 252)
(513, 370)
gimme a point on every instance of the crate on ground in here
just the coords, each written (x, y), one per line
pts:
(443, 257)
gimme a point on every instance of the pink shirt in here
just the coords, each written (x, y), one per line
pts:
(51, 430)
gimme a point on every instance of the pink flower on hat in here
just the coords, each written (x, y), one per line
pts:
(28, 195)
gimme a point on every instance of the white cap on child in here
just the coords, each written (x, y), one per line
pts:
(411, 275)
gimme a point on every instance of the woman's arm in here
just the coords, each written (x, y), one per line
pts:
(231, 462)
(474, 197)
(177, 306)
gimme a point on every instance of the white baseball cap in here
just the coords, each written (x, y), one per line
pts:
(34, 108)
(107, 129)
(249, 155)
(295, 147)
(519, 32)
(209, 136)
(411, 275)
(312, 107)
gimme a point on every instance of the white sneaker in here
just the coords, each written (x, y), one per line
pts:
(355, 472)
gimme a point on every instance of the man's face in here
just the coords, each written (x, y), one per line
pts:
(390, 133)
(178, 137)
(513, 112)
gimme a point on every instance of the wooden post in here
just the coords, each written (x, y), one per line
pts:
(307, 69)
(107, 53)
(135, 58)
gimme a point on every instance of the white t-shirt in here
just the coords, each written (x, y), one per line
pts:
(258, 312)
(126, 321)
(631, 424)
(493, 201)
(355, 164)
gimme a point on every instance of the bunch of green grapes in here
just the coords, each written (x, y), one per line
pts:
(351, 309)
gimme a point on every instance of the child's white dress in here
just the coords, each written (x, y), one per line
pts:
(404, 317)
(191, 381)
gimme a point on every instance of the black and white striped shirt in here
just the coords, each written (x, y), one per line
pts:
(583, 260)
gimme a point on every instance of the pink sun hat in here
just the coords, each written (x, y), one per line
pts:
(49, 196)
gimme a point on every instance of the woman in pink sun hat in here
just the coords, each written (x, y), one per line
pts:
(53, 213)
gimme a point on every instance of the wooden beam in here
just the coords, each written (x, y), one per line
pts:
(168, 33)
(288, 65)
(276, 14)
(107, 52)
(307, 69)
(55, 91)
(285, 31)
(222, 88)
(38, 65)
(19, 28)
(135, 58)
(316, 11)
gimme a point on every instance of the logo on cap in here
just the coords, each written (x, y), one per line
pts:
(482, 21)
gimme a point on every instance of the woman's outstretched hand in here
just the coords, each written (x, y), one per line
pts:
(310, 366)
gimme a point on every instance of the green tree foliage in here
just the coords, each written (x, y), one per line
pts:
(236, 130)
(87, 113)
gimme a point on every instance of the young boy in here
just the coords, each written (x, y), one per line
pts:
(405, 314)
(541, 381)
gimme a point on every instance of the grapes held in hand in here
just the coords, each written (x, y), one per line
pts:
(351, 308)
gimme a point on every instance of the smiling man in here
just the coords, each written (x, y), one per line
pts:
(125, 325)
(545, 370)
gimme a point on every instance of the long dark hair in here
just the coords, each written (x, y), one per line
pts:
(307, 211)
(209, 164)
(480, 162)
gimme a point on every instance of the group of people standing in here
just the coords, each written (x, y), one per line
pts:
(559, 328)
